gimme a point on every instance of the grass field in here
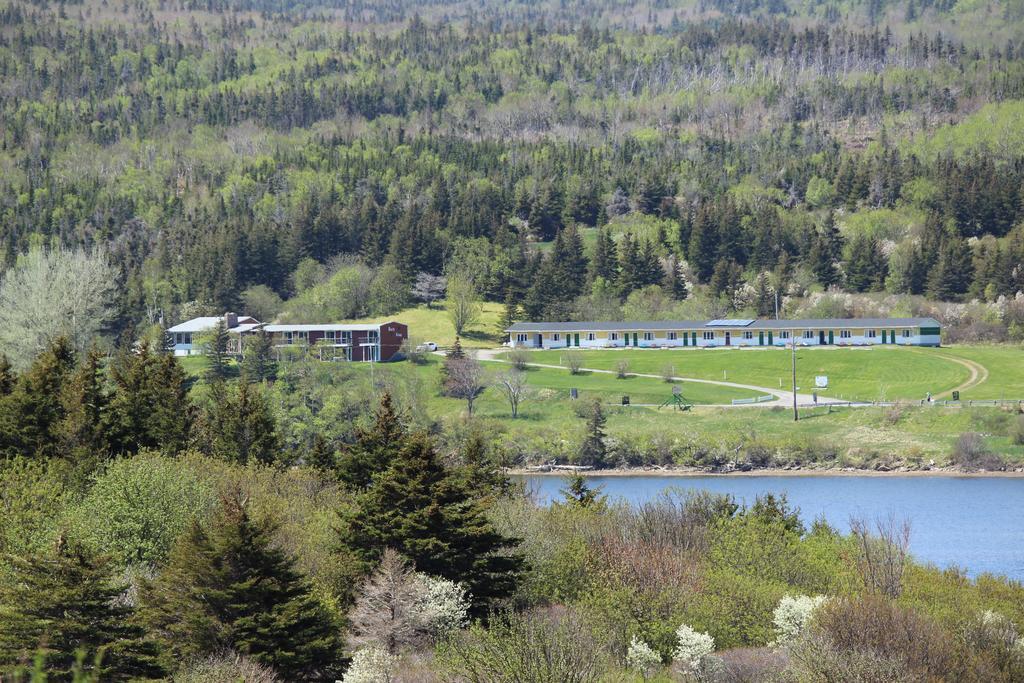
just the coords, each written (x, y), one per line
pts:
(433, 325)
(1004, 366)
(858, 374)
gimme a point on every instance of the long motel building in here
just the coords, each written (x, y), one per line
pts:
(726, 333)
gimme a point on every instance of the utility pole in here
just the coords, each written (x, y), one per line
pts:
(792, 339)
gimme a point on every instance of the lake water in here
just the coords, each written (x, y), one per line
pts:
(976, 523)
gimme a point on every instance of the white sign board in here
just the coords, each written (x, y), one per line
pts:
(821, 381)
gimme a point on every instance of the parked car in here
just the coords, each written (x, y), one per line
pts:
(427, 346)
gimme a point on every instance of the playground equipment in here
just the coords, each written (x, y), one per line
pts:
(676, 400)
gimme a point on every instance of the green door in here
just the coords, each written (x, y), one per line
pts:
(760, 338)
(686, 339)
(885, 339)
(626, 338)
(892, 336)
(576, 339)
(634, 339)
(831, 339)
(770, 340)
(693, 339)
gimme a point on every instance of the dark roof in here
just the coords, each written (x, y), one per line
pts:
(668, 325)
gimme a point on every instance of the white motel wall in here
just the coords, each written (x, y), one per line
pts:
(698, 334)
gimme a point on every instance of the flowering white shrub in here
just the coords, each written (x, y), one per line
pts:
(693, 648)
(793, 614)
(443, 605)
(370, 665)
(641, 657)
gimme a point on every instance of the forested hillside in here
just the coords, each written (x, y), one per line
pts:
(723, 151)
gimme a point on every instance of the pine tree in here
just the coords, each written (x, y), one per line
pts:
(631, 268)
(374, 448)
(674, 283)
(479, 471)
(822, 264)
(511, 313)
(953, 273)
(429, 515)
(149, 408)
(258, 362)
(230, 587)
(593, 451)
(865, 268)
(577, 493)
(63, 605)
(764, 297)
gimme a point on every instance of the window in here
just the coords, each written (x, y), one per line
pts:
(784, 334)
(329, 336)
(870, 334)
(709, 335)
(648, 336)
(845, 334)
(671, 336)
(906, 334)
(808, 334)
(522, 338)
(556, 337)
(747, 334)
(177, 338)
(287, 337)
(591, 336)
(614, 336)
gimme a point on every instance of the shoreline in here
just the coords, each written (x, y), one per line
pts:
(687, 472)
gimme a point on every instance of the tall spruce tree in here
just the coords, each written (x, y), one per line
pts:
(951, 277)
(230, 587)
(374, 448)
(150, 404)
(62, 604)
(239, 426)
(702, 250)
(7, 376)
(258, 360)
(865, 267)
(216, 352)
(429, 515)
(605, 263)
(31, 415)
(594, 451)
(85, 429)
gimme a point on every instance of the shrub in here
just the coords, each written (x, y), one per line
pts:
(1017, 431)
(668, 372)
(545, 646)
(641, 657)
(971, 453)
(693, 648)
(574, 361)
(753, 665)
(519, 358)
(225, 667)
(622, 369)
(370, 665)
(793, 614)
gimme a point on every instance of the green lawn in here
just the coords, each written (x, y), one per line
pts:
(609, 389)
(433, 325)
(860, 374)
(1005, 365)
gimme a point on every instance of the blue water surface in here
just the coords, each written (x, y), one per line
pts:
(975, 523)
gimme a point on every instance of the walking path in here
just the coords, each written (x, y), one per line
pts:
(979, 373)
(782, 398)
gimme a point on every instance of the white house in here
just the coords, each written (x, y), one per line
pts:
(186, 336)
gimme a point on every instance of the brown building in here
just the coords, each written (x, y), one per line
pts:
(361, 342)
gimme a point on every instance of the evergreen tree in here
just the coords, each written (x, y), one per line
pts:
(238, 425)
(865, 267)
(258, 362)
(577, 493)
(726, 279)
(31, 415)
(230, 587)
(674, 283)
(480, 472)
(953, 273)
(150, 405)
(511, 312)
(7, 376)
(764, 297)
(702, 251)
(822, 264)
(63, 605)
(374, 448)
(216, 350)
(632, 271)
(593, 451)
(86, 425)
(429, 515)
(605, 263)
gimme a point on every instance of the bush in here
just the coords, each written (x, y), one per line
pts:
(370, 665)
(793, 614)
(1017, 431)
(225, 667)
(641, 657)
(519, 358)
(693, 649)
(573, 360)
(543, 646)
(971, 453)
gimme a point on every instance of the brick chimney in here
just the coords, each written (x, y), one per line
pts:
(230, 320)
